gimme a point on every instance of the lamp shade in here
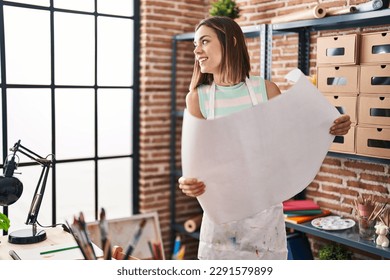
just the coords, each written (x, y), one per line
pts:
(11, 190)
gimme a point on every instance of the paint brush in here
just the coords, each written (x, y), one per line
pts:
(106, 244)
(76, 228)
(85, 234)
(76, 238)
(135, 240)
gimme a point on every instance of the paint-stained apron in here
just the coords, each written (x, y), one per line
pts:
(261, 236)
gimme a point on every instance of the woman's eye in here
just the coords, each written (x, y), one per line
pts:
(203, 43)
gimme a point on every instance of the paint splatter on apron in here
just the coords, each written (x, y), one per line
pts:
(261, 236)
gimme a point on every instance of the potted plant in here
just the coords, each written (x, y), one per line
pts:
(334, 252)
(4, 222)
(226, 8)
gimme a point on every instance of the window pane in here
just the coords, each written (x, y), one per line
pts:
(19, 210)
(74, 49)
(116, 7)
(27, 45)
(29, 119)
(74, 123)
(84, 5)
(115, 187)
(75, 186)
(114, 122)
(115, 52)
(34, 2)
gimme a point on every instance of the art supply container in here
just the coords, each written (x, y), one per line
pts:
(366, 228)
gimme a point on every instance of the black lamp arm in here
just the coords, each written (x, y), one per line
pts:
(27, 152)
(38, 196)
(41, 186)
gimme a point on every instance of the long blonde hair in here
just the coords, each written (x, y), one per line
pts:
(235, 65)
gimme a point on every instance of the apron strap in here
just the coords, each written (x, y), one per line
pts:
(251, 92)
(211, 114)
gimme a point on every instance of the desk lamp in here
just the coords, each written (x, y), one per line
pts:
(11, 189)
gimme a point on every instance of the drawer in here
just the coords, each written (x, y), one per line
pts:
(338, 79)
(373, 141)
(344, 143)
(374, 109)
(375, 78)
(375, 48)
(339, 50)
(345, 104)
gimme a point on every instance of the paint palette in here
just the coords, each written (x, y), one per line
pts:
(332, 223)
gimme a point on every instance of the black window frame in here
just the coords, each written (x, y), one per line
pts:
(135, 99)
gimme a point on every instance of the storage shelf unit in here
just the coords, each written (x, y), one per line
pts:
(304, 27)
(348, 237)
(266, 33)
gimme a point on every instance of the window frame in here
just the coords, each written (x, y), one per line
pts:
(135, 100)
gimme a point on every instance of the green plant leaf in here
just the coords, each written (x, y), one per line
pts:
(226, 8)
(334, 252)
(4, 222)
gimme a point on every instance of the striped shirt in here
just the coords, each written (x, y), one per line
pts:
(231, 99)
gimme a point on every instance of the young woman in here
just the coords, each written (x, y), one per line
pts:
(221, 73)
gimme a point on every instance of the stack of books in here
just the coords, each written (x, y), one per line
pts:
(301, 211)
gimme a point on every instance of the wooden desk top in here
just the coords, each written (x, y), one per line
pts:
(55, 236)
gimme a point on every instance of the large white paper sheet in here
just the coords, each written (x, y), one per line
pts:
(258, 157)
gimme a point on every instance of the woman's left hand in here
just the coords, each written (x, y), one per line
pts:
(341, 125)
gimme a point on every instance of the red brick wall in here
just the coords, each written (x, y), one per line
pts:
(160, 20)
(337, 183)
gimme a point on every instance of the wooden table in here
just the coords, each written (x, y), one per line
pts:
(55, 236)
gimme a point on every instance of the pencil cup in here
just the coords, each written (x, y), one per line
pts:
(366, 228)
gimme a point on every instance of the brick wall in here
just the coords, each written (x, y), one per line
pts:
(338, 181)
(160, 20)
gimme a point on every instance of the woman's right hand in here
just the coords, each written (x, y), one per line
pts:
(191, 186)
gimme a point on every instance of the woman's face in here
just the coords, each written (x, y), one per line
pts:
(207, 50)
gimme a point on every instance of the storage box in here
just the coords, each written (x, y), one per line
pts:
(339, 50)
(373, 141)
(345, 104)
(374, 109)
(344, 143)
(339, 79)
(375, 78)
(375, 48)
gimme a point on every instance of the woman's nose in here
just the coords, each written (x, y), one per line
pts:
(197, 49)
